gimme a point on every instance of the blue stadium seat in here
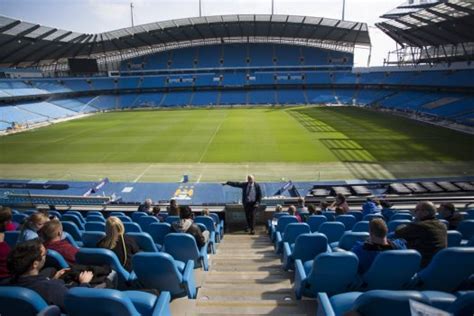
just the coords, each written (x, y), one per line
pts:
(347, 220)
(466, 228)
(283, 221)
(289, 235)
(165, 275)
(402, 264)
(362, 226)
(330, 215)
(211, 227)
(81, 301)
(73, 230)
(220, 225)
(115, 213)
(392, 225)
(171, 219)
(144, 241)
(11, 237)
(73, 218)
(94, 226)
(56, 260)
(401, 215)
(91, 238)
(95, 213)
(158, 231)
(145, 221)
(348, 240)
(445, 273)
(274, 220)
(19, 217)
(454, 238)
(78, 214)
(15, 301)
(370, 217)
(124, 219)
(95, 218)
(136, 215)
(305, 248)
(333, 273)
(99, 256)
(357, 214)
(132, 227)
(55, 214)
(332, 230)
(314, 221)
(183, 247)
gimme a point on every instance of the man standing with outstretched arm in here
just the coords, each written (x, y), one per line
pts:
(251, 197)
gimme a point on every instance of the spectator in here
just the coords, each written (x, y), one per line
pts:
(300, 206)
(378, 242)
(187, 225)
(116, 240)
(370, 207)
(173, 209)
(30, 228)
(205, 212)
(312, 210)
(292, 212)
(24, 264)
(427, 234)
(156, 212)
(146, 207)
(449, 213)
(324, 206)
(6, 223)
(341, 203)
(51, 234)
(278, 208)
(4, 251)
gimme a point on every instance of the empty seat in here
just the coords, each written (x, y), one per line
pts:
(15, 301)
(91, 238)
(466, 228)
(332, 230)
(305, 248)
(144, 241)
(95, 226)
(132, 227)
(454, 238)
(289, 235)
(314, 221)
(183, 247)
(394, 224)
(347, 220)
(362, 226)
(158, 232)
(144, 221)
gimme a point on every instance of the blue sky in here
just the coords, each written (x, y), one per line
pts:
(94, 16)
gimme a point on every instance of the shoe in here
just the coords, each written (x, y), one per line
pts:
(252, 232)
(246, 229)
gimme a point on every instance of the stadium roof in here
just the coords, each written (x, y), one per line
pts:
(448, 22)
(24, 42)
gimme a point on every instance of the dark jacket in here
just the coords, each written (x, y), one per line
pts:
(51, 290)
(427, 237)
(367, 252)
(243, 186)
(131, 248)
(188, 226)
(454, 220)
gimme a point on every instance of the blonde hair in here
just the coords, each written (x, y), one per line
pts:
(114, 230)
(33, 220)
(206, 212)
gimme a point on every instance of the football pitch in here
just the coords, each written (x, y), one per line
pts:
(298, 143)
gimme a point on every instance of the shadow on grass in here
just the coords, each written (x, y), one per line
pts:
(362, 139)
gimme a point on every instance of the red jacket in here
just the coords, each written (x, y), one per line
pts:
(67, 250)
(4, 251)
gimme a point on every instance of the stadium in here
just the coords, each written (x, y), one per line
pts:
(100, 128)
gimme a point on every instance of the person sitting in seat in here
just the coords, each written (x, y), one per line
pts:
(6, 223)
(52, 234)
(30, 228)
(370, 207)
(116, 240)
(173, 209)
(4, 251)
(24, 264)
(340, 203)
(449, 213)
(156, 213)
(146, 207)
(324, 206)
(377, 242)
(187, 225)
(426, 234)
(292, 212)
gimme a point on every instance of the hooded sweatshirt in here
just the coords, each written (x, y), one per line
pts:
(187, 226)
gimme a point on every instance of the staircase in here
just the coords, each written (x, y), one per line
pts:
(246, 278)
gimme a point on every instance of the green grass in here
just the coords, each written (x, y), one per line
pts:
(303, 135)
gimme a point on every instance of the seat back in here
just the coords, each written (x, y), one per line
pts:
(95, 218)
(215, 218)
(370, 217)
(283, 221)
(55, 214)
(181, 246)
(15, 300)
(463, 305)
(78, 214)
(401, 215)
(347, 220)
(132, 227)
(308, 246)
(357, 214)
(333, 272)
(136, 215)
(90, 301)
(145, 221)
(279, 214)
(206, 221)
(332, 230)
(448, 269)
(71, 240)
(454, 238)
(171, 219)
(19, 218)
(330, 215)
(164, 276)
(100, 256)
(158, 231)
(91, 238)
(314, 221)
(74, 219)
(293, 230)
(95, 213)
(11, 237)
(392, 269)
(124, 218)
(95, 226)
(362, 226)
(387, 303)
(144, 241)
(72, 229)
(56, 260)
(349, 239)
(466, 228)
(394, 224)
(116, 214)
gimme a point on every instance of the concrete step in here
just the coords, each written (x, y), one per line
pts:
(244, 294)
(255, 307)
